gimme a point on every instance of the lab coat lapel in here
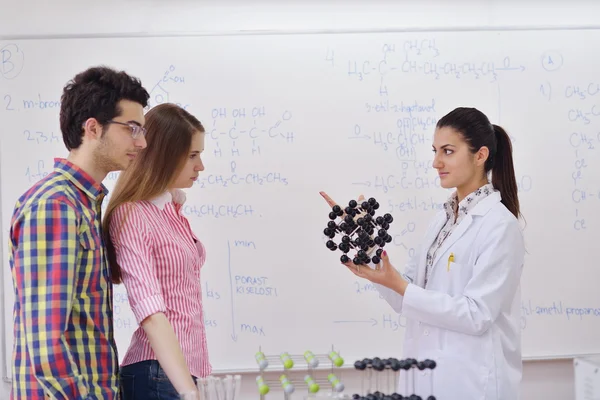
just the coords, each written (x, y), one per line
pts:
(480, 209)
(428, 241)
(454, 236)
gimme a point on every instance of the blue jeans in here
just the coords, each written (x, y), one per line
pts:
(146, 380)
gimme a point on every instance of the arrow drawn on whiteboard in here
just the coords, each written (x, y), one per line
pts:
(521, 68)
(233, 334)
(362, 183)
(372, 321)
(365, 137)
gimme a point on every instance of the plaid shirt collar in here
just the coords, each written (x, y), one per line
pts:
(80, 178)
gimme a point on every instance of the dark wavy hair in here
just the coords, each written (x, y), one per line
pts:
(477, 131)
(95, 93)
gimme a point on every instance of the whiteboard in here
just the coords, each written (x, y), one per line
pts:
(290, 115)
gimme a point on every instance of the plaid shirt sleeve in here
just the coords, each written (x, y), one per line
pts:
(45, 270)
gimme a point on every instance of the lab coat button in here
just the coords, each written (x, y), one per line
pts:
(426, 332)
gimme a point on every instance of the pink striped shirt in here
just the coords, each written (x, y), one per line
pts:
(160, 258)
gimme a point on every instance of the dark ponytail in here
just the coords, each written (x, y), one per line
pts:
(503, 171)
(478, 132)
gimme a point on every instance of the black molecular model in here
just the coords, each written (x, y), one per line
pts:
(376, 368)
(358, 225)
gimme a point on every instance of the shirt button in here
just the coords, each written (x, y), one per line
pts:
(426, 332)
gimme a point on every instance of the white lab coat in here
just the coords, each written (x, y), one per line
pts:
(468, 318)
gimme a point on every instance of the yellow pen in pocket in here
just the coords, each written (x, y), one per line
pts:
(450, 260)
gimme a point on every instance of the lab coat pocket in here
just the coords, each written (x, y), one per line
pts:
(459, 276)
(457, 377)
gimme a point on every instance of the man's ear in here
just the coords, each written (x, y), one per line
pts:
(92, 129)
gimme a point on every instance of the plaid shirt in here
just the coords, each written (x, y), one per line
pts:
(64, 343)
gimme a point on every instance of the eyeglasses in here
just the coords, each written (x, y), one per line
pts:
(136, 130)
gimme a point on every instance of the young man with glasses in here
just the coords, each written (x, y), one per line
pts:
(63, 316)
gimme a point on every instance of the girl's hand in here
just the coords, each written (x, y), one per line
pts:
(384, 274)
(332, 203)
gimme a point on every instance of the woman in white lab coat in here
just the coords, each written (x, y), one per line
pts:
(460, 292)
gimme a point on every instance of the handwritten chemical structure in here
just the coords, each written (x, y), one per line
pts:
(386, 183)
(582, 109)
(390, 182)
(383, 322)
(250, 128)
(422, 57)
(251, 178)
(219, 210)
(584, 115)
(402, 142)
(160, 93)
(581, 193)
(582, 92)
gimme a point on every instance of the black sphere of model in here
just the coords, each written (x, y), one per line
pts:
(361, 231)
